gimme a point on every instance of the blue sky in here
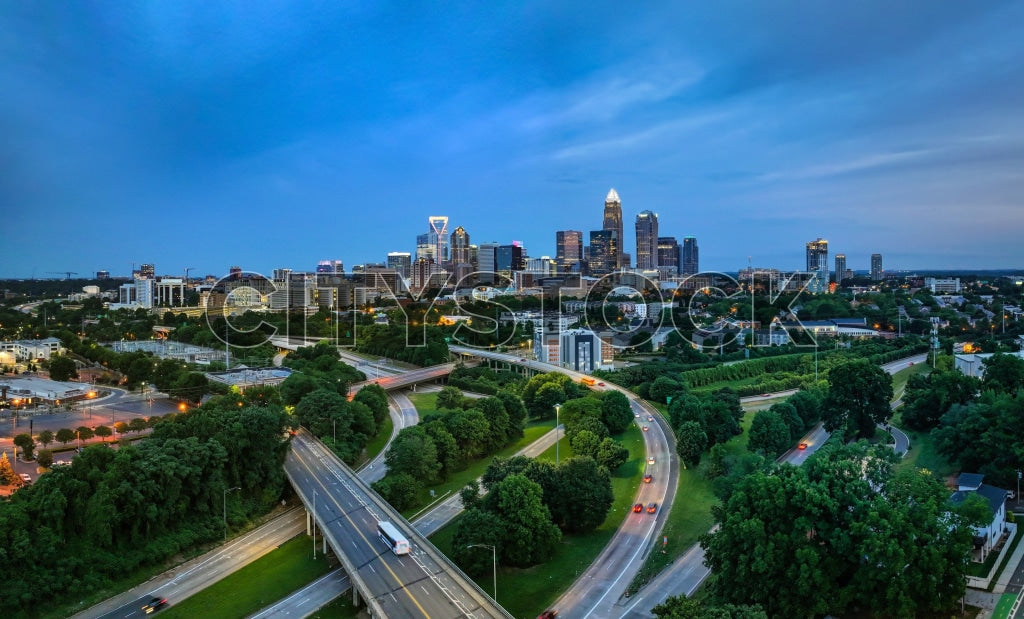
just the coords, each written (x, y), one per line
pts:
(276, 134)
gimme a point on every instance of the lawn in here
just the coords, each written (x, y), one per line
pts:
(425, 403)
(527, 592)
(255, 586)
(899, 379)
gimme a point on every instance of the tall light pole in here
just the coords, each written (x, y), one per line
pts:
(314, 525)
(557, 407)
(224, 505)
(494, 564)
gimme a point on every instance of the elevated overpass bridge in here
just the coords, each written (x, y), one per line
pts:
(422, 583)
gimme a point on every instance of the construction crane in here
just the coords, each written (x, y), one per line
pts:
(67, 273)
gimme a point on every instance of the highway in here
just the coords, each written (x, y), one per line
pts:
(193, 576)
(420, 584)
(406, 379)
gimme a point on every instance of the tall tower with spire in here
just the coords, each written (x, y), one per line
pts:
(613, 222)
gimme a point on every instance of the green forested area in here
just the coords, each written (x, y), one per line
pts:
(112, 511)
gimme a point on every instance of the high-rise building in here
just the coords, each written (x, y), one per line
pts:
(102, 274)
(604, 247)
(146, 271)
(668, 253)
(647, 240)
(568, 248)
(690, 260)
(509, 258)
(613, 222)
(876, 267)
(486, 256)
(817, 263)
(840, 268)
(330, 266)
(400, 261)
(460, 246)
(439, 237)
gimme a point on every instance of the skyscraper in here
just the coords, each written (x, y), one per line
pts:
(400, 261)
(460, 246)
(668, 253)
(840, 268)
(487, 261)
(439, 236)
(613, 222)
(691, 256)
(604, 247)
(568, 248)
(647, 240)
(876, 267)
(817, 262)
(509, 258)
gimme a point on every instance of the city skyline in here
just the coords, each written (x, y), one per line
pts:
(206, 136)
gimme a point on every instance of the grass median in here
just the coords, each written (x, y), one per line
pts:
(255, 586)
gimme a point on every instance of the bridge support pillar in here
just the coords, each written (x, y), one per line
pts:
(355, 597)
(309, 521)
(324, 538)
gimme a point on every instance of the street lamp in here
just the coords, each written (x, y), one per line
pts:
(494, 564)
(557, 407)
(224, 505)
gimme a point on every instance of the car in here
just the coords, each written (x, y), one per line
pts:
(636, 414)
(639, 507)
(600, 384)
(25, 478)
(648, 478)
(154, 604)
(650, 418)
(650, 460)
(802, 445)
(910, 363)
(652, 508)
(548, 614)
(764, 395)
(645, 428)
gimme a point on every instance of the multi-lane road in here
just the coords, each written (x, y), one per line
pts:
(420, 584)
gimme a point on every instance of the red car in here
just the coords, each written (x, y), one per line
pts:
(639, 507)
(645, 428)
(548, 614)
(648, 478)
(652, 508)
(802, 445)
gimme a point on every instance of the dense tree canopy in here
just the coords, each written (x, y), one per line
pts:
(859, 397)
(928, 397)
(843, 533)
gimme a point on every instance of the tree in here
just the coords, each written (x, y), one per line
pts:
(44, 458)
(516, 413)
(413, 452)
(663, 387)
(1003, 374)
(26, 443)
(679, 607)
(85, 433)
(769, 434)
(103, 432)
(584, 495)
(611, 454)
(884, 543)
(928, 397)
(63, 368)
(616, 412)
(137, 424)
(529, 537)
(65, 436)
(401, 490)
(477, 526)
(7, 475)
(45, 437)
(449, 397)
(859, 397)
(585, 443)
(691, 441)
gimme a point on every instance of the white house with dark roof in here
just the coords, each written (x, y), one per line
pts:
(984, 537)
